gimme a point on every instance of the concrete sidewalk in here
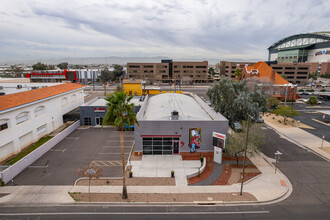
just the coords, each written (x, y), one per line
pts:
(303, 138)
(162, 165)
(266, 187)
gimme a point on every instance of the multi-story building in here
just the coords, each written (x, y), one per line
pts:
(295, 73)
(228, 68)
(169, 70)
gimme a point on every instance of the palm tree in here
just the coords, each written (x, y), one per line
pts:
(120, 113)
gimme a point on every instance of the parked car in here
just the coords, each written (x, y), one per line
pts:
(208, 103)
(237, 127)
(260, 120)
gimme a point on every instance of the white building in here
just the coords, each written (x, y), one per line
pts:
(27, 116)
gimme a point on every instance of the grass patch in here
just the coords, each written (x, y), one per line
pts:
(27, 150)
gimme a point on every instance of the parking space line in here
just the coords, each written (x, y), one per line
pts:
(57, 150)
(72, 138)
(106, 163)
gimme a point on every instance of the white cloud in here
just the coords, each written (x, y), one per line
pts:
(178, 28)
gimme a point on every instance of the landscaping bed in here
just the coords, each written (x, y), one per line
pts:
(26, 151)
(231, 173)
(134, 181)
(162, 197)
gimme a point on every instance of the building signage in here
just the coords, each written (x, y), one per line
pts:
(217, 158)
(322, 52)
(99, 109)
(219, 140)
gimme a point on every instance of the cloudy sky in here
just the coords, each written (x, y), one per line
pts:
(212, 29)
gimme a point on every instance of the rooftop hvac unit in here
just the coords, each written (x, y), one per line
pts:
(19, 86)
(174, 115)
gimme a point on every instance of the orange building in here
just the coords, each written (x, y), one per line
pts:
(272, 82)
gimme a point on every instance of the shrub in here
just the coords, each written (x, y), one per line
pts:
(130, 174)
(172, 173)
(312, 100)
(323, 90)
(310, 90)
(301, 90)
(279, 121)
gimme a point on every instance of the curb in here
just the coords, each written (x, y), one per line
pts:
(297, 143)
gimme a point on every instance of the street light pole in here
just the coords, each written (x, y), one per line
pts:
(277, 157)
(245, 150)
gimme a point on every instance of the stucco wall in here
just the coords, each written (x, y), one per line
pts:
(17, 136)
(180, 128)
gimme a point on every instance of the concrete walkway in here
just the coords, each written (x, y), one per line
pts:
(266, 187)
(303, 138)
(162, 165)
(216, 173)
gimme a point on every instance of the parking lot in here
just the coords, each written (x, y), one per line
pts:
(83, 147)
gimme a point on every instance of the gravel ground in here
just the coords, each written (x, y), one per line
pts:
(162, 197)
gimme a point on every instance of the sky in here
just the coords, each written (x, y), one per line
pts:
(196, 29)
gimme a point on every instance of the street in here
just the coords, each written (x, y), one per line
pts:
(309, 175)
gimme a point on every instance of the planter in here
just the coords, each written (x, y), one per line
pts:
(172, 174)
(130, 174)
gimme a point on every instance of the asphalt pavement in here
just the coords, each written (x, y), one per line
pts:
(83, 147)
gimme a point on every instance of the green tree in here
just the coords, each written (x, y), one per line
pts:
(118, 71)
(238, 73)
(120, 113)
(312, 100)
(39, 66)
(211, 71)
(284, 76)
(273, 102)
(106, 75)
(51, 67)
(286, 112)
(234, 100)
(17, 71)
(313, 76)
(236, 142)
(63, 65)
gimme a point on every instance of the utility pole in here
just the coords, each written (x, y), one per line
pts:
(245, 150)
(93, 80)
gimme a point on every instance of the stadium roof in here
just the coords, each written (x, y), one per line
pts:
(305, 39)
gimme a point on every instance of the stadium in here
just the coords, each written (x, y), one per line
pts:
(310, 48)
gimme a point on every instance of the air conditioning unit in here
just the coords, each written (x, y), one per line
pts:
(19, 86)
(174, 115)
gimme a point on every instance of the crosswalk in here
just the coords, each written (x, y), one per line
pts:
(106, 163)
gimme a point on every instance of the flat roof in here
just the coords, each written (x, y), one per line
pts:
(102, 102)
(160, 107)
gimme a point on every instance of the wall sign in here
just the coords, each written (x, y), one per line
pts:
(322, 52)
(219, 140)
(99, 109)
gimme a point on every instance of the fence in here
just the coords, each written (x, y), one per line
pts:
(12, 171)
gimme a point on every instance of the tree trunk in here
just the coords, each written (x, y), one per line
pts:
(236, 159)
(124, 195)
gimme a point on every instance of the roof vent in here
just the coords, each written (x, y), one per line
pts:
(174, 115)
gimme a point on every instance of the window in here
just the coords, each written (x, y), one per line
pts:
(73, 98)
(133, 66)
(64, 102)
(39, 111)
(3, 126)
(42, 129)
(24, 116)
(87, 121)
